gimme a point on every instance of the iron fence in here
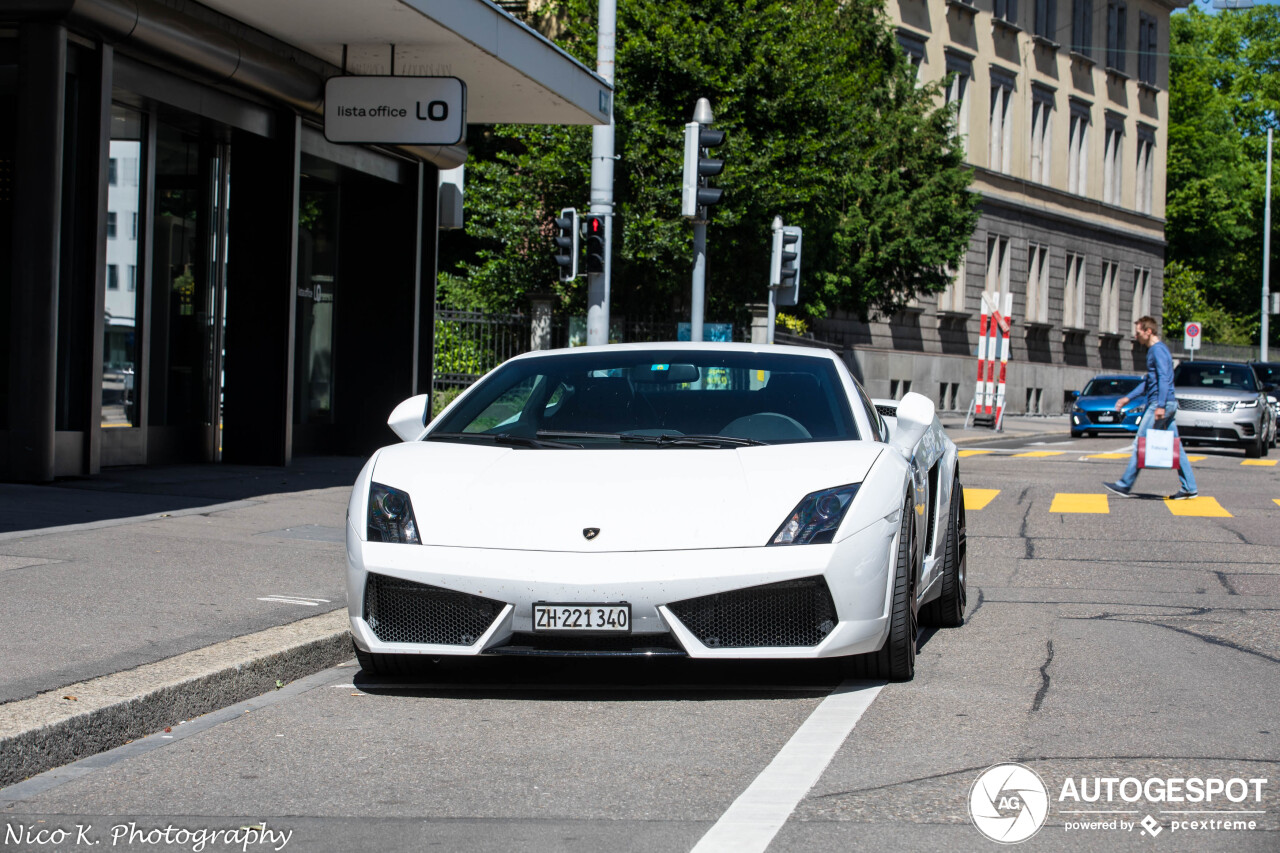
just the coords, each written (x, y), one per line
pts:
(471, 343)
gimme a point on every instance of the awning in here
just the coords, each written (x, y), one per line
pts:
(513, 74)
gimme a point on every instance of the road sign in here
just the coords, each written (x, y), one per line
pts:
(1191, 336)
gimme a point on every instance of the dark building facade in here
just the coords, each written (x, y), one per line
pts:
(189, 270)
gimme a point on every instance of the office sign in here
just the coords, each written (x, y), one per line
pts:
(395, 110)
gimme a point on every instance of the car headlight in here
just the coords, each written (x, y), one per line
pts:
(1136, 410)
(815, 519)
(391, 516)
(1076, 410)
(1246, 404)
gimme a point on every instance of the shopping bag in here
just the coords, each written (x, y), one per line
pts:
(1159, 448)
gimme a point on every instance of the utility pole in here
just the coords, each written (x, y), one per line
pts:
(598, 283)
(1266, 258)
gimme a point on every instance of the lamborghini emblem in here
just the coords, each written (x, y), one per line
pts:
(590, 533)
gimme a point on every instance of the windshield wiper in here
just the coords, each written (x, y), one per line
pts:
(663, 440)
(501, 438)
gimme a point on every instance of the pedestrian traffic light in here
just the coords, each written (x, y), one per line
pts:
(696, 193)
(595, 244)
(784, 267)
(567, 246)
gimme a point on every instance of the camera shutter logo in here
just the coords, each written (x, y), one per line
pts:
(1009, 803)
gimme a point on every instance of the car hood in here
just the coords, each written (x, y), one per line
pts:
(1092, 404)
(1213, 393)
(469, 495)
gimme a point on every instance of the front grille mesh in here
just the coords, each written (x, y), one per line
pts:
(1190, 404)
(400, 611)
(791, 613)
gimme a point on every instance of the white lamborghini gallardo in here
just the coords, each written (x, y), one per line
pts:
(700, 500)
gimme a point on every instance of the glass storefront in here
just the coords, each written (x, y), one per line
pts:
(316, 291)
(120, 308)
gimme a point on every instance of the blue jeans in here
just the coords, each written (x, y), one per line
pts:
(1185, 477)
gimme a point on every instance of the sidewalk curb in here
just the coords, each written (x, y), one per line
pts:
(51, 729)
(992, 435)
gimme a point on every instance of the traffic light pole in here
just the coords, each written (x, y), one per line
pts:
(602, 151)
(699, 279)
(1266, 259)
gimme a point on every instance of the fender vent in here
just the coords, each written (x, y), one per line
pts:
(791, 613)
(400, 611)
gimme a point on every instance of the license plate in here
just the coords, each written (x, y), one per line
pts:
(1106, 418)
(595, 618)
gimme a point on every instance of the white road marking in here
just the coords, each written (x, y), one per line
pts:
(289, 599)
(763, 808)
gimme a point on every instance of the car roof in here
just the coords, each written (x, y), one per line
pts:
(1118, 376)
(688, 346)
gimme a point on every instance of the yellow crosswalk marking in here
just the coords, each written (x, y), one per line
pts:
(1063, 502)
(964, 453)
(1277, 500)
(1203, 507)
(979, 498)
(1191, 458)
(1109, 456)
(1264, 463)
(1039, 453)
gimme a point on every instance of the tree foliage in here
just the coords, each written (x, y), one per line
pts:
(1224, 92)
(825, 127)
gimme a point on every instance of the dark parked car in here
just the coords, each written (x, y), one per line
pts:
(1268, 373)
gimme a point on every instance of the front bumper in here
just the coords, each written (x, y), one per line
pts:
(1239, 427)
(488, 596)
(1085, 419)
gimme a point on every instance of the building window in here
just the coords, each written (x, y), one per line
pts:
(111, 224)
(1082, 27)
(1144, 174)
(1038, 284)
(1000, 135)
(961, 72)
(1041, 135)
(1146, 49)
(1109, 303)
(1112, 173)
(1073, 293)
(1078, 153)
(113, 277)
(998, 267)
(913, 46)
(131, 278)
(1006, 10)
(112, 174)
(952, 297)
(1141, 293)
(1115, 35)
(1047, 19)
(133, 228)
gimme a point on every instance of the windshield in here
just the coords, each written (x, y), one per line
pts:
(1268, 374)
(1110, 386)
(1208, 376)
(651, 399)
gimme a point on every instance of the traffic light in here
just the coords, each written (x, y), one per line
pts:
(784, 267)
(696, 194)
(567, 243)
(595, 244)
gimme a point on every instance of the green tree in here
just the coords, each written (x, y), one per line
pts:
(1224, 92)
(825, 127)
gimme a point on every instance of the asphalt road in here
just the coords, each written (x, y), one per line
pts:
(1105, 638)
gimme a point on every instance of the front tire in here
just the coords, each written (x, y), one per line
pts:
(896, 660)
(947, 610)
(1253, 449)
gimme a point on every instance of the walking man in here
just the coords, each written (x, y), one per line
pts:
(1157, 386)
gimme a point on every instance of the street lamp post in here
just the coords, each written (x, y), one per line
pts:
(1266, 258)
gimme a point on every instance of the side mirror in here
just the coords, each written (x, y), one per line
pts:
(409, 419)
(915, 416)
(1075, 395)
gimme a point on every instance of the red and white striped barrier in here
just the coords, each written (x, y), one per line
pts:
(988, 395)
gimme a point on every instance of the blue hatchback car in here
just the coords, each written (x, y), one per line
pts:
(1095, 407)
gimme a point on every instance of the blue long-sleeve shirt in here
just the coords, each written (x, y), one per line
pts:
(1157, 386)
